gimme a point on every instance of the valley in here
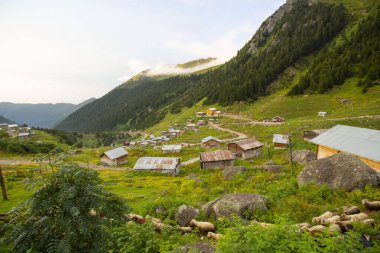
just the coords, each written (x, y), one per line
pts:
(276, 150)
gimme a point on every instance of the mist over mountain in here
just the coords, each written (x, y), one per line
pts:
(301, 34)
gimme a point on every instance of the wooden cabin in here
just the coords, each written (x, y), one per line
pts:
(278, 119)
(246, 149)
(211, 142)
(167, 165)
(311, 134)
(363, 143)
(211, 111)
(280, 140)
(217, 159)
(200, 114)
(114, 157)
(171, 149)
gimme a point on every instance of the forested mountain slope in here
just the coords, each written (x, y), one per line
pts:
(301, 30)
(39, 115)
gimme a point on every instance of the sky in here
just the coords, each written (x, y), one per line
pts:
(54, 51)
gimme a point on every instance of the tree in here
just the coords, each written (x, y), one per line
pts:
(70, 212)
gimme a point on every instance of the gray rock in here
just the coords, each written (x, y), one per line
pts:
(239, 204)
(272, 168)
(339, 171)
(201, 247)
(185, 214)
(304, 156)
(160, 210)
(231, 171)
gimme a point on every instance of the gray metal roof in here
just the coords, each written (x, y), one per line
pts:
(281, 138)
(215, 156)
(115, 153)
(357, 141)
(209, 138)
(157, 163)
(171, 147)
(248, 144)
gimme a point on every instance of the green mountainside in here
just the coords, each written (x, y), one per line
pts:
(325, 43)
(5, 120)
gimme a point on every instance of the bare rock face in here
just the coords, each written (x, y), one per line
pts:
(304, 156)
(231, 171)
(185, 214)
(239, 204)
(339, 171)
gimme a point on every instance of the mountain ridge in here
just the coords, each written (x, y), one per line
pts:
(297, 30)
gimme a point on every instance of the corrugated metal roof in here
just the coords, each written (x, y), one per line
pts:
(281, 138)
(248, 144)
(209, 138)
(157, 163)
(215, 156)
(357, 141)
(171, 147)
(115, 153)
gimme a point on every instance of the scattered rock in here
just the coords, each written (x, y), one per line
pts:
(192, 176)
(339, 171)
(231, 171)
(304, 156)
(239, 204)
(271, 167)
(160, 210)
(202, 247)
(185, 214)
(27, 180)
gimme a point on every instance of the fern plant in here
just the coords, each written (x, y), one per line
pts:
(70, 212)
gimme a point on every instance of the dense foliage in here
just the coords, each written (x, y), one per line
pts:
(21, 147)
(357, 55)
(297, 30)
(69, 213)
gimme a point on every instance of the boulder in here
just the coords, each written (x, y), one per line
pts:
(201, 247)
(185, 214)
(339, 171)
(304, 156)
(270, 166)
(231, 171)
(239, 204)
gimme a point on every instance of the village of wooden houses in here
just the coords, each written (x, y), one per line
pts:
(225, 145)
(185, 126)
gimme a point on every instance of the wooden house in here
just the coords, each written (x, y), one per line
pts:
(191, 126)
(3, 126)
(322, 114)
(217, 159)
(311, 134)
(218, 113)
(211, 111)
(200, 114)
(211, 142)
(24, 136)
(278, 119)
(171, 149)
(246, 149)
(114, 157)
(363, 143)
(280, 140)
(168, 165)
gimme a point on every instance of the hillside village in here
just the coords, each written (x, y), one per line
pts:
(175, 153)
(276, 150)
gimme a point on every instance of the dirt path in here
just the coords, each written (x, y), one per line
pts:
(13, 162)
(250, 120)
(191, 161)
(239, 135)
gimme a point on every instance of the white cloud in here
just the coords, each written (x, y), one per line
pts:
(136, 65)
(224, 48)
